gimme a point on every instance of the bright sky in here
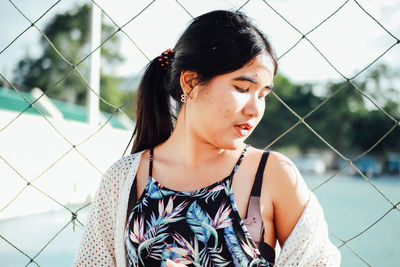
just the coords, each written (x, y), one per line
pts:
(350, 39)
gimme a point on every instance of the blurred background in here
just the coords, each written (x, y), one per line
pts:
(69, 72)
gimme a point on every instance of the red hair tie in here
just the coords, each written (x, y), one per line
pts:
(166, 58)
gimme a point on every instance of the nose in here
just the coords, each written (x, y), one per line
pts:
(253, 107)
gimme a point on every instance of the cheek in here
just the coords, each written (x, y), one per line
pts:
(225, 109)
(217, 105)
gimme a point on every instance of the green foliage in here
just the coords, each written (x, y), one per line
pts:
(116, 97)
(70, 35)
(277, 118)
(370, 127)
(343, 121)
(334, 118)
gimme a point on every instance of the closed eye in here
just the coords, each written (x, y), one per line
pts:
(262, 96)
(241, 90)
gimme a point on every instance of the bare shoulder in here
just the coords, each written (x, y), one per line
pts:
(288, 191)
(285, 177)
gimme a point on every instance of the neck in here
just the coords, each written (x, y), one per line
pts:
(191, 150)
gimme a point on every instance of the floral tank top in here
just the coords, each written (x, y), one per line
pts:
(196, 228)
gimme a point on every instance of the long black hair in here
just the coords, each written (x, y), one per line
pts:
(215, 43)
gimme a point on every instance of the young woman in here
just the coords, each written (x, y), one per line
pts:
(192, 191)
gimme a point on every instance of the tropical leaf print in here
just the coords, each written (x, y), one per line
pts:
(168, 254)
(132, 255)
(150, 239)
(213, 192)
(187, 249)
(157, 191)
(228, 187)
(248, 249)
(257, 262)
(180, 254)
(205, 192)
(188, 254)
(195, 193)
(143, 202)
(168, 212)
(159, 223)
(138, 234)
(212, 257)
(253, 252)
(139, 206)
(239, 258)
(155, 225)
(156, 250)
(154, 191)
(197, 228)
(222, 219)
(147, 244)
(199, 222)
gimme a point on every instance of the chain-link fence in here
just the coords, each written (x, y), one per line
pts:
(14, 129)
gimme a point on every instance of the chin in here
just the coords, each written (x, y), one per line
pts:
(233, 144)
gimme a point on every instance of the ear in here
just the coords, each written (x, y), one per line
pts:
(188, 80)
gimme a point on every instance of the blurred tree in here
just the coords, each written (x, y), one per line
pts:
(343, 121)
(278, 118)
(368, 127)
(70, 34)
(110, 91)
(381, 84)
(334, 119)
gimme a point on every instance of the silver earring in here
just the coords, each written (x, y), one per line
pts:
(184, 98)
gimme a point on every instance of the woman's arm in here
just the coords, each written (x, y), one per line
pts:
(289, 195)
(299, 221)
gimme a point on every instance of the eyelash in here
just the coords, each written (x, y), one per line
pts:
(242, 90)
(246, 90)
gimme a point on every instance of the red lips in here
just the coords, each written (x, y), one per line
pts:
(243, 128)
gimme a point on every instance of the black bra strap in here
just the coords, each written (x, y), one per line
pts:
(253, 219)
(151, 162)
(256, 190)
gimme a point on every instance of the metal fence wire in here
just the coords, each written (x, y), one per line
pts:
(75, 67)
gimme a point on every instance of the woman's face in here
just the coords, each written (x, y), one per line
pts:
(225, 112)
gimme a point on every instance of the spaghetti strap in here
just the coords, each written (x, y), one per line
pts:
(232, 173)
(151, 163)
(239, 160)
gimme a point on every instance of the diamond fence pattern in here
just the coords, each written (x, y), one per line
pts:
(180, 6)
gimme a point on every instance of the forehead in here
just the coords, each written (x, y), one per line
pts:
(259, 66)
(259, 69)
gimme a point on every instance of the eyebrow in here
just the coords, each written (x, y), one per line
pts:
(249, 79)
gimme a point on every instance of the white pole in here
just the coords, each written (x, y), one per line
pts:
(94, 82)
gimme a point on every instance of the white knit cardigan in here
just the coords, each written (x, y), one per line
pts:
(103, 243)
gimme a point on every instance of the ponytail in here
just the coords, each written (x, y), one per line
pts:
(153, 109)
